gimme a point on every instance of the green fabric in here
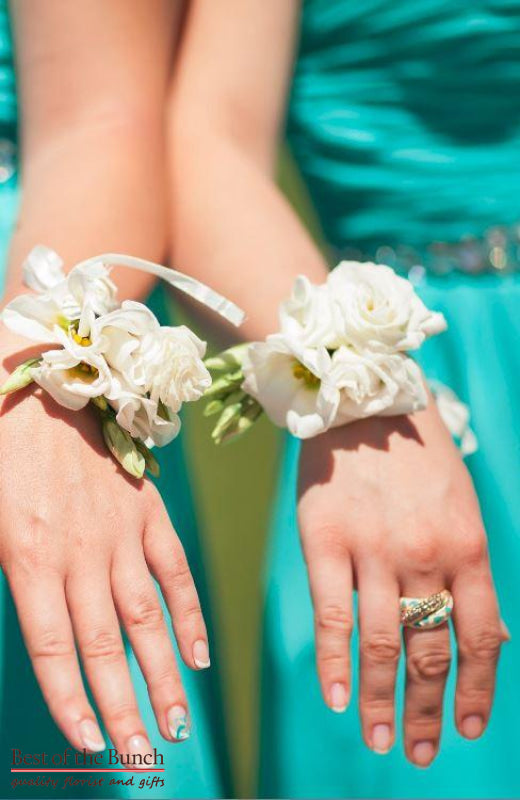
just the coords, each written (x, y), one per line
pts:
(404, 121)
(194, 768)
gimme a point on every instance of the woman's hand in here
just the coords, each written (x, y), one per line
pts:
(79, 541)
(387, 506)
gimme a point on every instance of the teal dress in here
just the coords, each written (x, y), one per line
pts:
(193, 768)
(405, 122)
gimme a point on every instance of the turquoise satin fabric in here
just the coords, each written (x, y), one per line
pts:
(405, 123)
(193, 768)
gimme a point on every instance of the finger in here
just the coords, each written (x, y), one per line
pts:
(167, 562)
(330, 579)
(479, 636)
(380, 645)
(47, 630)
(428, 659)
(101, 646)
(140, 611)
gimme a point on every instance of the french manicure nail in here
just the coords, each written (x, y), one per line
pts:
(472, 726)
(140, 746)
(90, 735)
(381, 739)
(178, 723)
(201, 654)
(338, 697)
(423, 753)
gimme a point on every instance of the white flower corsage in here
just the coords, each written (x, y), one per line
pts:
(341, 354)
(117, 356)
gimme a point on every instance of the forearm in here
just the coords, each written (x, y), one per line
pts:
(98, 189)
(232, 227)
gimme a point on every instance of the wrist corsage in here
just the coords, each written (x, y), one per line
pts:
(115, 356)
(341, 354)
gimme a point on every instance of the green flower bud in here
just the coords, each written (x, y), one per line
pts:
(152, 465)
(100, 402)
(227, 420)
(213, 407)
(223, 386)
(20, 377)
(227, 360)
(123, 448)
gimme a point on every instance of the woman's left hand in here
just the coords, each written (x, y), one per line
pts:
(388, 507)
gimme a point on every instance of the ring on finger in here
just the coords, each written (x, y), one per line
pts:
(426, 612)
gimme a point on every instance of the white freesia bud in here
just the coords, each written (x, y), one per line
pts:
(173, 366)
(378, 309)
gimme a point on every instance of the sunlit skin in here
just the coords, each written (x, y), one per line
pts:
(79, 546)
(367, 516)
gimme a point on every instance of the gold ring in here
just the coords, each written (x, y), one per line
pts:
(426, 612)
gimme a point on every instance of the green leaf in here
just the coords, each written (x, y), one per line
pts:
(21, 376)
(123, 448)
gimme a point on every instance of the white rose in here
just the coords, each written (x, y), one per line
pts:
(286, 381)
(92, 285)
(140, 416)
(308, 316)
(173, 366)
(121, 333)
(380, 310)
(369, 384)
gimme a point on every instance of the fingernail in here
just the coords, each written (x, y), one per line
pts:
(423, 753)
(472, 726)
(140, 746)
(338, 697)
(90, 735)
(381, 739)
(178, 724)
(201, 654)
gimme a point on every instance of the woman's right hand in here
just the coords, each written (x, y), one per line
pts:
(79, 542)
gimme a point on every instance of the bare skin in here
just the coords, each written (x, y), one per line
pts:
(79, 540)
(385, 505)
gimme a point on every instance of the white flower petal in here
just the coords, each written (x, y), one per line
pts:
(34, 317)
(42, 269)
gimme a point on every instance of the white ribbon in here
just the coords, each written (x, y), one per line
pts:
(185, 283)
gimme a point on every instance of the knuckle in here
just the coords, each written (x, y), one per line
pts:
(381, 648)
(121, 713)
(475, 550)
(483, 645)
(51, 644)
(103, 644)
(144, 612)
(177, 571)
(425, 666)
(423, 716)
(422, 553)
(334, 619)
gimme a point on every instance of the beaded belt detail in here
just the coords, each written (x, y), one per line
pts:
(496, 252)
